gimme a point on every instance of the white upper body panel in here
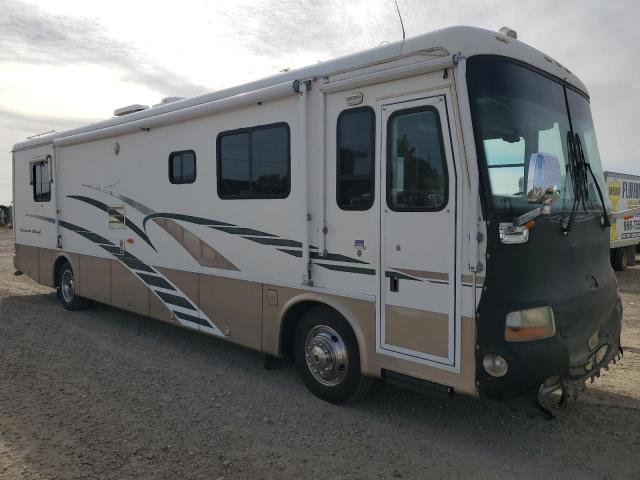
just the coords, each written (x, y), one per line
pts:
(463, 41)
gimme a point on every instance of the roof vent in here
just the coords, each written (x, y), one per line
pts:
(136, 107)
(166, 100)
(509, 32)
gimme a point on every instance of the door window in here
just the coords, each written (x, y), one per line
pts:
(416, 165)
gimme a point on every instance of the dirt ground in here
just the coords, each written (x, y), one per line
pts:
(107, 394)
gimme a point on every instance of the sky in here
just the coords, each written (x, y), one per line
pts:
(66, 63)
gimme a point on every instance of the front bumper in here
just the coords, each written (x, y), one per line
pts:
(567, 360)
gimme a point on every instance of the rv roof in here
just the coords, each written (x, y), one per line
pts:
(466, 41)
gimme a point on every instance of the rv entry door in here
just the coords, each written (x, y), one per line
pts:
(418, 237)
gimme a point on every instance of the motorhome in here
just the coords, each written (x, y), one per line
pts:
(429, 212)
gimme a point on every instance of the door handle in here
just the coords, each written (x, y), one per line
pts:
(394, 283)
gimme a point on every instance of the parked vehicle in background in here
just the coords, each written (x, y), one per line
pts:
(624, 194)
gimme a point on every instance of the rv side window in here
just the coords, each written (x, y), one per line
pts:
(182, 166)
(416, 164)
(41, 181)
(355, 159)
(254, 162)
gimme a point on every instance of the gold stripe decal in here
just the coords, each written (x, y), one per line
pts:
(469, 279)
(202, 252)
(440, 276)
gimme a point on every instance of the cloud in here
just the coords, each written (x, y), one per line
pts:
(31, 35)
(32, 123)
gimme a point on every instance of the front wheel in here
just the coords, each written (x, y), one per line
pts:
(326, 353)
(621, 259)
(67, 289)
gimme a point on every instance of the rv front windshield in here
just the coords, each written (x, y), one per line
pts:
(519, 113)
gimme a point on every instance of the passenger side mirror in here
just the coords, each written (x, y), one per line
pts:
(543, 179)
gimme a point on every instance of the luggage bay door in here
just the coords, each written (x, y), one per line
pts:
(417, 320)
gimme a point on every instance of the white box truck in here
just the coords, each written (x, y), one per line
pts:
(624, 194)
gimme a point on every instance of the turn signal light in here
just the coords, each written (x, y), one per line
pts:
(530, 324)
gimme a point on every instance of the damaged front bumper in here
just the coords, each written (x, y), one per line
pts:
(566, 361)
(586, 363)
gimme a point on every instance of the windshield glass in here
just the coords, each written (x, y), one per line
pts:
(519, 114)
(582, 124)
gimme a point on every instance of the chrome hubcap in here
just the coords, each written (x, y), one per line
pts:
(326, 355)
(67, 286)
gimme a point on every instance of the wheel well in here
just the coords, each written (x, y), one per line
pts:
(289, 322)
(60, 261)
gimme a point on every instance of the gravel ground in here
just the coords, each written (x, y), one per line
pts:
(107, 394)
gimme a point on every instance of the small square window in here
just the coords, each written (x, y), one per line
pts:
(182, 166)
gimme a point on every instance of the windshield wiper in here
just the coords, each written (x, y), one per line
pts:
(579, 169)
(605, 217)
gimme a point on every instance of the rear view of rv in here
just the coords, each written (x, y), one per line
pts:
(431, 212)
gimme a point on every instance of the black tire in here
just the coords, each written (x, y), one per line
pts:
(620, 259)
(66, 292)
(632, 255)
(323, 327)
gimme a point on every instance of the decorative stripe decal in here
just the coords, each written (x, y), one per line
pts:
(200, 250)
(175, 300)
(424, 274)
(40, 217)
(336, 257)
(283, 242)
(105, 208)
(402, 276)
(469, 279)
(186, 218)
(137, 205)
(258, 236)
(419, 275)
(295, 253)
(342, 268)
(153, 279)
(189, 318)
(243, 231)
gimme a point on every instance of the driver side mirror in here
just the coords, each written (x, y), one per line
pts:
(543, 179)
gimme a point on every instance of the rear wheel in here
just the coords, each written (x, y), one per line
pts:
(67, 289)
(326, 353)
(621, 259)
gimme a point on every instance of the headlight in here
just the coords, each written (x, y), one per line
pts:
(530, 324)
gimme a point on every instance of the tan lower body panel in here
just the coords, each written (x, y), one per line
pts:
(127, 291)
(235, 306)
(417, 330)
(28, 262)
(463, 382)
(252, 313)
(95, 278)
(46, 259)
(38, 263)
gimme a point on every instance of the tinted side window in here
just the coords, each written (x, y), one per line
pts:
(356, 159)
(416, 164)
(254, 162)
(41, 181)
(182, 166)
